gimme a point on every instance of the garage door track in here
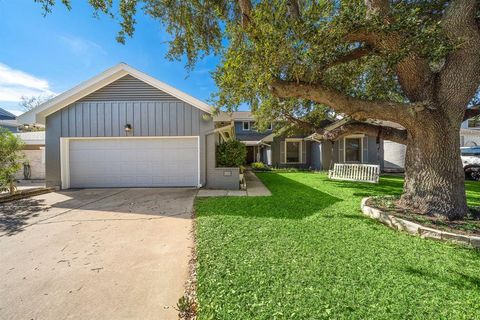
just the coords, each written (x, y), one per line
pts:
(95, 254)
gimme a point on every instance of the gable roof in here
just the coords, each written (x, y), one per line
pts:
(223, 116)
(5, 115)
(38, 114)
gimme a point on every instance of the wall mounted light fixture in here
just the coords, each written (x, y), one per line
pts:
(128, 128)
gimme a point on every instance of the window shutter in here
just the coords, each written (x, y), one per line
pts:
(282, 151)
(341, 146)
(304, 152)
(365, 149)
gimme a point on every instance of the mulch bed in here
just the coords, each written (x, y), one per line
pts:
(468, 226)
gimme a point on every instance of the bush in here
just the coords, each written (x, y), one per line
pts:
(231, 154)
(10, 159)
(260, 166)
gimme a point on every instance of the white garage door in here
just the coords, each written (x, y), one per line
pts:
(133, 162)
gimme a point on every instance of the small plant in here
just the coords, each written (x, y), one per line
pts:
(231, 154)
(260, 166)
(186, 307)
(10, 159)
(257, 165)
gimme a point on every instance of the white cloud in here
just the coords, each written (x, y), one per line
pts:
(16, 83)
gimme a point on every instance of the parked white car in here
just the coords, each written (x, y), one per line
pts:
(471, 162)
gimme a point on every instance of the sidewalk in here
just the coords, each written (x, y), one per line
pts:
(255, 188)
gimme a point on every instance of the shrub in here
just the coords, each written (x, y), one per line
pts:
(259, 166)
(231, 154)
(10, 159)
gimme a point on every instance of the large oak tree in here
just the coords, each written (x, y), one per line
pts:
(415, 63)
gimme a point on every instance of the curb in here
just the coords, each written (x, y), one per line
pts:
(417, 229)
(25, 194)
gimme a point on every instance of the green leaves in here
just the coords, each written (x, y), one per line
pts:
(279, 45)
(231, 153)
(10, 157)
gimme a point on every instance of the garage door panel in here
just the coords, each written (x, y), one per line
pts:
(127, 162)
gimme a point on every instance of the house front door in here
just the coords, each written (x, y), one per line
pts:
(250, 154)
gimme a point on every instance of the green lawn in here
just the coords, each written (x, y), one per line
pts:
(307, 252)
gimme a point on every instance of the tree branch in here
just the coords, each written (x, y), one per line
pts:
(362, 36)
(460, 77)
(356, 108)
(246, 11)
(413, 72)
(383, 132)
(301, 123)
(355, 54)
(378, 7)
(294, 9)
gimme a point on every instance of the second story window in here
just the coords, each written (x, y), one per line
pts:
(246, 125)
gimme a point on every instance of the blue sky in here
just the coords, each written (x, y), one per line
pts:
(45, 55)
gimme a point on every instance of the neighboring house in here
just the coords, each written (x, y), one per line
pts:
(353, 148)
(470, 133)
(8, 120)
(34, 151)
(243, 124)
(300, 151)
(124, 128)
(393, 156)
(469, 137)
(34, 148)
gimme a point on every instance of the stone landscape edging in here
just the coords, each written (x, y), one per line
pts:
(24, 194)
(417, 229)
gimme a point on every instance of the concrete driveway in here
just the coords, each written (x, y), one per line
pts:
(95, 254)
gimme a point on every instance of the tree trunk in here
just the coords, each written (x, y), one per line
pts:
(434, 176)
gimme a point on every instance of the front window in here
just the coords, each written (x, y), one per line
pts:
(353, 150)
(293, 151)
(246, 125)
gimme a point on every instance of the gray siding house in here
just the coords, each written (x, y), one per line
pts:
(8, 120)
(124, 128)
(304, 152)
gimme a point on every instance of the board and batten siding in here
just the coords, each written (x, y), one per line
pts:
(104, 114)
(147, 118)
(129, 88)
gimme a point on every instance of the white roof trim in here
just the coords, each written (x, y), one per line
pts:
(314, 136)
(32, 138)
(38, 114)
(251, 143)
(337, 124)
